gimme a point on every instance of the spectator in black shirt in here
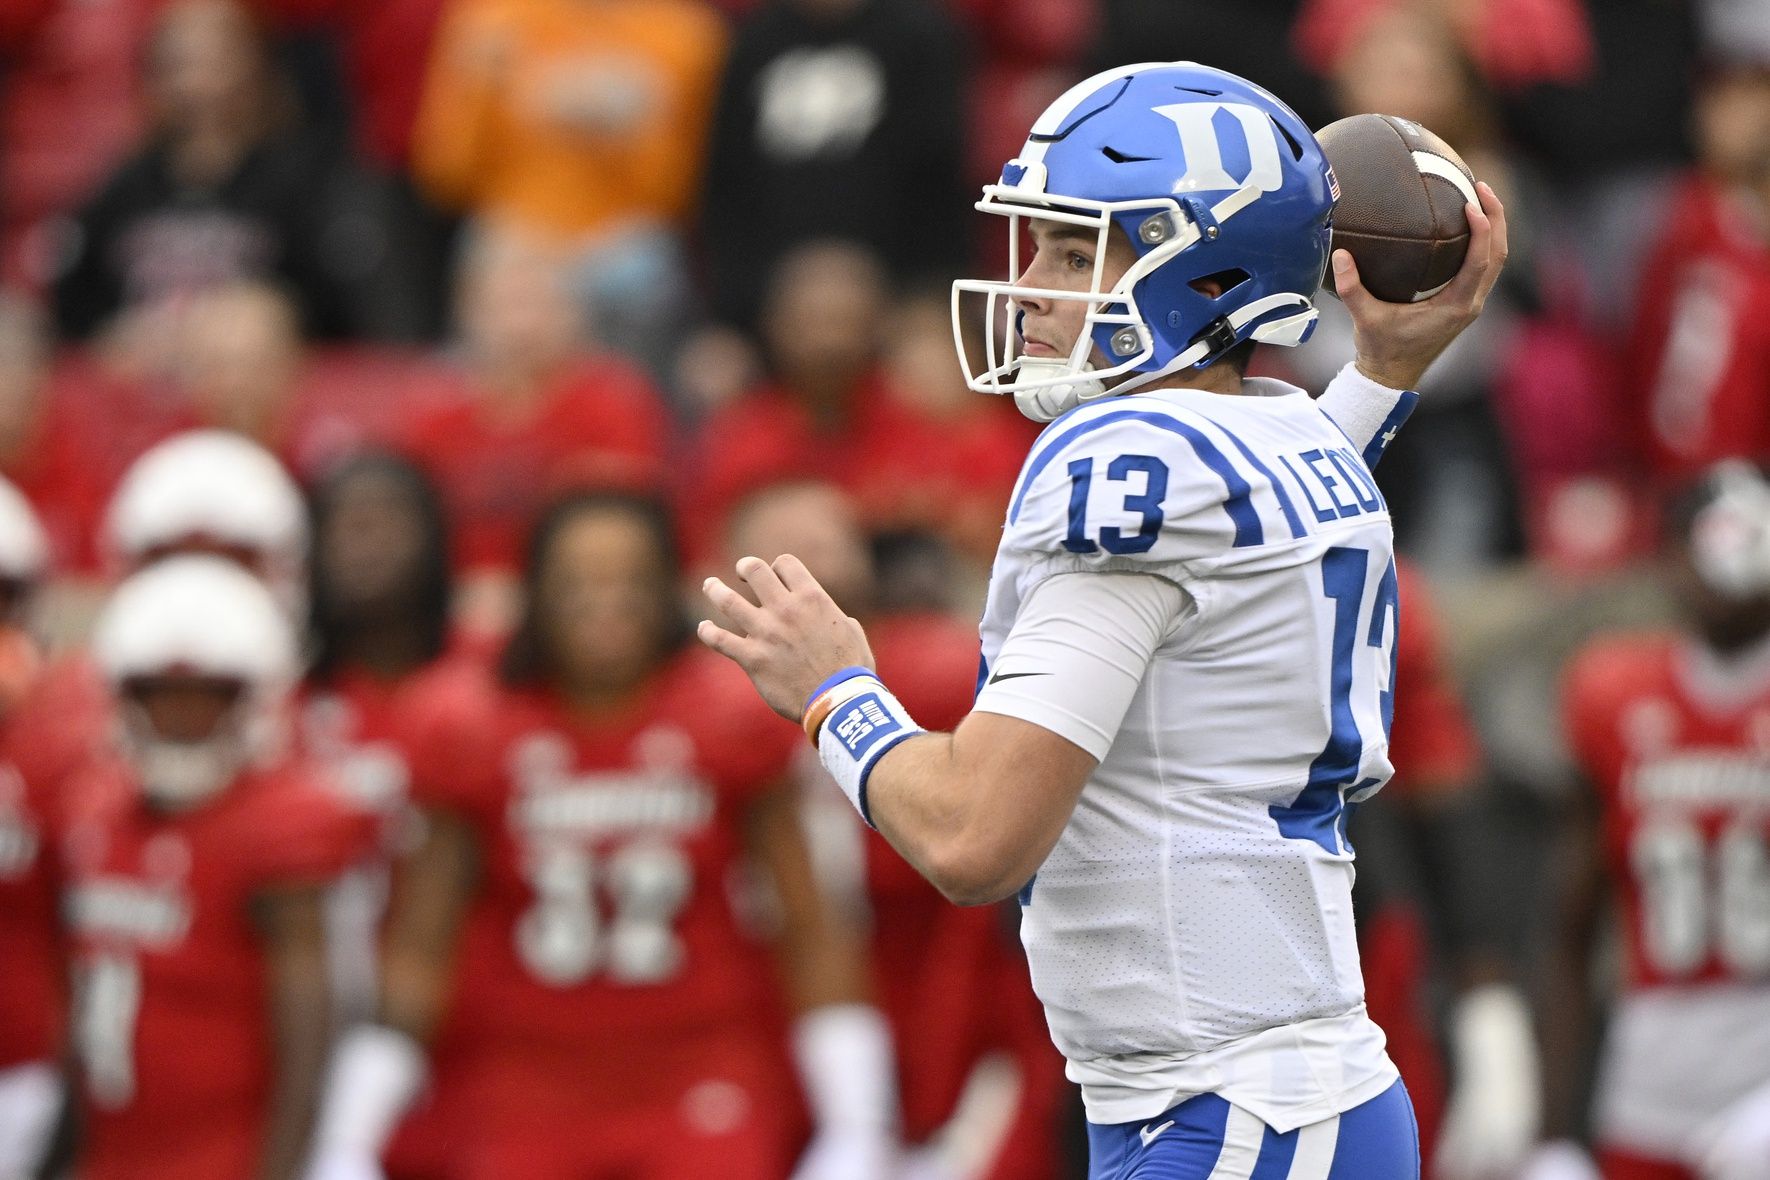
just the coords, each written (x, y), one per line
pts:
(227, 186)
(836, 119)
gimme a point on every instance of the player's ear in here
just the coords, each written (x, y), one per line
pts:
(1208, 286)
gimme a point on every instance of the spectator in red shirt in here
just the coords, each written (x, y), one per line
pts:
(891, 427)
(242, 364)
(813, 416)
(1699, 372)
(69, 109)
(40, 450)
(950, 468)
(535, 413)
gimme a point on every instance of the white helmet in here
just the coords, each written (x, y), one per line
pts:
(217, 488)
(24, 551)
(1730, 535)
(201, 616)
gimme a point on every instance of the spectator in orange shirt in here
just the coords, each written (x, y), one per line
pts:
(581, 121)
(534, 415)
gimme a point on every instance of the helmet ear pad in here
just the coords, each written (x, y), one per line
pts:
(1174, 287)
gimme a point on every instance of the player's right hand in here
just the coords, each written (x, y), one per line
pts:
(1396, 342)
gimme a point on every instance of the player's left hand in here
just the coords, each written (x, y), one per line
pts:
(1396, 342)
(790, 638)
(1736, 1146)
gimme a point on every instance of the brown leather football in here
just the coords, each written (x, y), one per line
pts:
(1400, 213)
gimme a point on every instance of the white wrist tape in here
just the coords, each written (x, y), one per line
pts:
(376, 1073)
(853, 719)
(1368, 413)
(845, 1062)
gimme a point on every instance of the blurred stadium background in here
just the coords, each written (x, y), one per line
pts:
(699, 249)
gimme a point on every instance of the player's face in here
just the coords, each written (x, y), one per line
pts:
(183, 708)
(1063, 258)
(371, 543)
(605, 600)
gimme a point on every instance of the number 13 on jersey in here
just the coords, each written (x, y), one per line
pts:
(1361, 682)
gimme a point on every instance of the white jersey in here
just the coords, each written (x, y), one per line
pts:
(1192, 929)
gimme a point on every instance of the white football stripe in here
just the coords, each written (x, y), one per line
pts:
(1242, 1135)
(1433, 165)
(1315, 1150)
(1058, 113)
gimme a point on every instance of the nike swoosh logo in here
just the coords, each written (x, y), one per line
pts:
(1149, 1134)
(1013, 675)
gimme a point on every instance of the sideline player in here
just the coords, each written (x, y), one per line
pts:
(564, 954)
(1673, 732)
(197, 858)
(1188, 640)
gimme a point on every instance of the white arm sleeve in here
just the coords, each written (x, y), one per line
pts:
(1078, 650)
(1368, 413)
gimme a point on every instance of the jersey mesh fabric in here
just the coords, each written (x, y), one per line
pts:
(1192, 929)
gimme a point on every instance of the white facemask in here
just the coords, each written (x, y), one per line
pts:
(1730, 538)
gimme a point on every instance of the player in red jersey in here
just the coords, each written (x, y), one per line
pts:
(204, 491)
(978, 1086)
(567, 939)
(378, 599)
(1423, 920)
(1673, 732)
(31, 999)
(196, 859)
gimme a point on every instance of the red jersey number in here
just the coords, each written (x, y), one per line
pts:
(1701, 898)
(610, 912)
(109, 1001)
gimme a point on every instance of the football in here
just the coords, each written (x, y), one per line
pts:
(1401, 207)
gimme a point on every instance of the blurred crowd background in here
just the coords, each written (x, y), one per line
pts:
(499, 251)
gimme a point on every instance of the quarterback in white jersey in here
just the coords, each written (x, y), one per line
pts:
(1189, 639)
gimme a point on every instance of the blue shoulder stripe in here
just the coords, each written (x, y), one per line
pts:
(1239, 505)
(1284, 501)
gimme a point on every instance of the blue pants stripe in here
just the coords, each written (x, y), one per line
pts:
(1376, 1141)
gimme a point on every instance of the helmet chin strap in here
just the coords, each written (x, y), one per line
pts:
(1046, 402)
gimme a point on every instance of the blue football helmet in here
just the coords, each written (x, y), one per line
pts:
(1207, 175)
